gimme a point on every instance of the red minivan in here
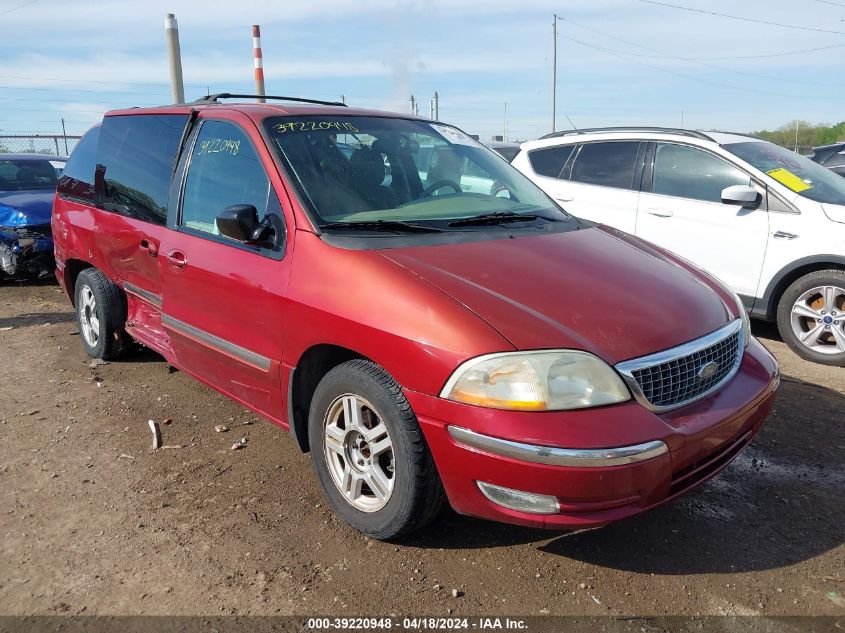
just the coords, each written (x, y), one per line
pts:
(424, 320)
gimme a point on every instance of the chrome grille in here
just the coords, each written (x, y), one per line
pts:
(671, 379)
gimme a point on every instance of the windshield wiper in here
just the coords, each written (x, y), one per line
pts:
(393, 226)
(495, 217)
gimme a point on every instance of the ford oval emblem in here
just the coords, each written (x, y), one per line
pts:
(708, 370)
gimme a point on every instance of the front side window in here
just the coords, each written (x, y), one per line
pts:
(607, 164)
(135, 159)
(354, 169)
(224, 170)
(27, 174)
(550, 161)
(795, 172)
(687, 172)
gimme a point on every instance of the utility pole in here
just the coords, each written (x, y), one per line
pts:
(796, 135)
(436, 116)
(682, 119)
(174, 54)
(554, 69)
(505, 127)
(413, 105)
(259, 63)
(64, 133)
(343, 99)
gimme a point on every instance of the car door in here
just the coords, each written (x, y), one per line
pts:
(134, 165)
(680, 208)
(223, 299)
(601, 181)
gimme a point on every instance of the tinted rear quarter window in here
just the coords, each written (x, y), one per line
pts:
(77, 181)
(836, 159)
(135, 158)
(549, 161)
(607, 164)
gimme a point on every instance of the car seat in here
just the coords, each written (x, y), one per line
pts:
(366, 175)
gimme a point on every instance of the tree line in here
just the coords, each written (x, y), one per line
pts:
(808, 134)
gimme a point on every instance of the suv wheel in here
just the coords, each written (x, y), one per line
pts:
(369, 453)
(100, 313)
(811, 317)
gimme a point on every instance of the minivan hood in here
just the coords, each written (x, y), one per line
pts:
(835, 212)
(24, 208)
(594, 289)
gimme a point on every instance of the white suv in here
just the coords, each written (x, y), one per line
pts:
(768, 222)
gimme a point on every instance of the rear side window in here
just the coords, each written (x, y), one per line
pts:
(686, 172)
(135, 159)
(549, 162)
(77, 181)
(607, 164)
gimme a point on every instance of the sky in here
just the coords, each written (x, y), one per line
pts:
(619, 62)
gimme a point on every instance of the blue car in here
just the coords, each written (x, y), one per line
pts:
(27, 186)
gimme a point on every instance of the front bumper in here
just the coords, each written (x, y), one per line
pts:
(26, 253)
(618, 460)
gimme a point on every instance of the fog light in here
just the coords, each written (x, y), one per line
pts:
(518, 500)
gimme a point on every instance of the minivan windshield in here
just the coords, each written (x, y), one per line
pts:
(384, 172)
(797, 173)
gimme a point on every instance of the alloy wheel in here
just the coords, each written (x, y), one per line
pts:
(88, 319)
(359, 453)
(818, 319)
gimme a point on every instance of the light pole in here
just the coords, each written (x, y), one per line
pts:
(554, 68)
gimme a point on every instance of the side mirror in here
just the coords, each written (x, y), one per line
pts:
(239, 221)
(743, 195)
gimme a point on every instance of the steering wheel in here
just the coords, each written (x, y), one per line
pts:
(442, 183)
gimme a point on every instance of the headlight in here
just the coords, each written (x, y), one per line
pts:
(536, 381)
(746, 321)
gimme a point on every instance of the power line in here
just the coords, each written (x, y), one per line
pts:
(662, 55)
(833, 4)
(738, 17)
(20, 6)
(685, 76)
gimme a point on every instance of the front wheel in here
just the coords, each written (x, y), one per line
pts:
(371, 458)
(811, 317)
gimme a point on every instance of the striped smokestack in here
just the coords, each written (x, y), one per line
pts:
(259, 63)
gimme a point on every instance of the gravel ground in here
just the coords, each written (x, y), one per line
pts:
(93, 521)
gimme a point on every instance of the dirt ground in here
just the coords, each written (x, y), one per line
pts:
(93, 521)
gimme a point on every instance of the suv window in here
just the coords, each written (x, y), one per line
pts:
(610, 164)
(77, 179)
(835, 160)
(687, 172)
(224, 170)
(550, 161)
(135, 160)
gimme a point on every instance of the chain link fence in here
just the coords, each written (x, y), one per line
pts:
(48, 144)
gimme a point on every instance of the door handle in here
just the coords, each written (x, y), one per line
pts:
(660, 213)
(177, 260)
(148, 245)
(564, 198)
(783, 235)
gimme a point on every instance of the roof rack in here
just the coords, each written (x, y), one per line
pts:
(668, 130)
(215, 98)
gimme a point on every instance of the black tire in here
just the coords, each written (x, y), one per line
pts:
(835, 278)
(417, 494)
(110, 312)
